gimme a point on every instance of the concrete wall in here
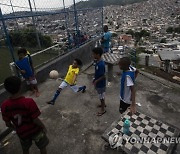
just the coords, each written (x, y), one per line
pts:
(60, 64)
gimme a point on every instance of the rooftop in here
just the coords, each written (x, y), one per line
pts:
(72, 124)
(169, 54)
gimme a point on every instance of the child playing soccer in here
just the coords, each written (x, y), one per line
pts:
(127, 90)
(100, 78)
(21, 114)
(24, 65)
(70, 80)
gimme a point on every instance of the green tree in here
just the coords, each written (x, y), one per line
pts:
(163, 40)
(27, 38)
(170, 30)
(137, 36)
(97, 3)
(131, 32)
(177, 29)
(144, 33)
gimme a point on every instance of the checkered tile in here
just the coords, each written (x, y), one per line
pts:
(144, 126)
(111, 58)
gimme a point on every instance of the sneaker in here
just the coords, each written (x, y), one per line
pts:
(84, 89)
(50, 102)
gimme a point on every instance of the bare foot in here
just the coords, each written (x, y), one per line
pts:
(101, 106)
(32, 93)
(37, 93)
(101, 113)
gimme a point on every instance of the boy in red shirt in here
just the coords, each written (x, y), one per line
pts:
(21, 114)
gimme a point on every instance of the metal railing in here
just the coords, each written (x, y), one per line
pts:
(63, 22)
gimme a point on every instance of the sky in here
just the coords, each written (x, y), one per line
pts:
(39, 4)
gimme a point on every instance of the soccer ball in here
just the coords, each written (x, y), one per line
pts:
(53, 74)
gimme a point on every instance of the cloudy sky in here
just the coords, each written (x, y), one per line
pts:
(39, 4)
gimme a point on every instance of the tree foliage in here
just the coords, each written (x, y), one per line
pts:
(98, 3)
(131, 32)
(27, 38)
(138, 35)
(163, 40)
(173, 29)
(169, 30)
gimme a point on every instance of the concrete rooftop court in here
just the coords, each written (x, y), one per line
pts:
(72, 124)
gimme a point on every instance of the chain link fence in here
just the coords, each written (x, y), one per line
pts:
(47, 29)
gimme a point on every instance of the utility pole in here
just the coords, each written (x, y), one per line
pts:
(37, 36)
(66, 23)
(14, 15)
(102, 14)
(76, 22)
(7, 36)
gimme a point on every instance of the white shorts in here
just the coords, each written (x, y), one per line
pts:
(64, 84)
(34, 81)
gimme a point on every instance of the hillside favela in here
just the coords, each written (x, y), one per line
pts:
(90, 76)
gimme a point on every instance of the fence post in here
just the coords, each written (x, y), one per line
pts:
(102, 13)
(7, 36)
(14, 15)
(37, 36)
(147, 60)
(66, 23)
(76, 22)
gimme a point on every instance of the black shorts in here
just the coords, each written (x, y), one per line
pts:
(40, 140)
(123, 106)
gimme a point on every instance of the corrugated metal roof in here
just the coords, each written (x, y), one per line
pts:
(169, 54)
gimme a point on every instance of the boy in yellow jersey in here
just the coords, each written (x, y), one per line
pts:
(70, 80)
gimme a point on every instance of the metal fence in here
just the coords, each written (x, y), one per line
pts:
(46, 28)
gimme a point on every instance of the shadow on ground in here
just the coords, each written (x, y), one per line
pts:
(72, 124)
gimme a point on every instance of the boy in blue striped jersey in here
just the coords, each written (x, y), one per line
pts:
(127, 90)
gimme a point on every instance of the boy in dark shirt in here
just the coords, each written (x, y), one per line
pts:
(21, 114)
(100, 78)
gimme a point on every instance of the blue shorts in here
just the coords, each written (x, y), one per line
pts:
(101, 90)
(106, 49)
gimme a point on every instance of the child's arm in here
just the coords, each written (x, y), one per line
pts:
(99, 79)
(31, 63)
(10, 125)
(32, 67)
(74, 79)
(133, 105)
(38, 122)
(75, 75)
(22, 71)
(136, 73)
(101, 72)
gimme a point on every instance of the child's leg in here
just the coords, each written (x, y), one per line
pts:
(26, 144)
(25, 152)
(102, 99)
(82, 88)
(41, 142)
(101, 92)
(28, 82)
(34, 87)
(76, 88)
(102, 104)
(57, 93)
(43, 151)
(37, 93)
(123, 106)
